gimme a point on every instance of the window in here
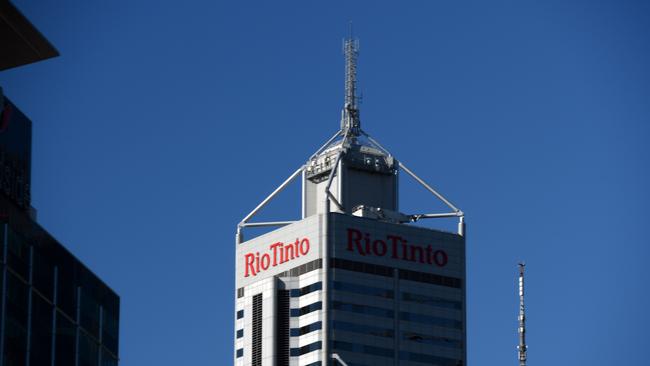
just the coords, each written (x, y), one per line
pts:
(240, 314)
(362, 309)
(425, 319)
(240, 333)
(362, 329)
(362, 289)
(306, 349)
(307, 289)
(429, 278)
(307, 309)
(361, 267)
(362, 348)
(433, 301)
(257, 330)
(296, 332)
(240, 352)
(424, 358)
(431, 339)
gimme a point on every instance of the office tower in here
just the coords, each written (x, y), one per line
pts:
(355, 280)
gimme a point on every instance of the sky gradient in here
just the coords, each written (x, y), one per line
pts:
(163, 123)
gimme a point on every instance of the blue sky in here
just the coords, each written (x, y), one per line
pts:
(163, 123)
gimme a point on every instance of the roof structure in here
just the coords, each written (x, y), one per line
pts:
(21, 42)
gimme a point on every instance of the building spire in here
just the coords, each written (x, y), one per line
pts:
(350, 123)
(522, 348)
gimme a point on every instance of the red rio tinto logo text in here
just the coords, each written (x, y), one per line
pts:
(277, 253)
(396, 247)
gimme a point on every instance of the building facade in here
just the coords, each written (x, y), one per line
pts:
(53, 310)
(354, 281)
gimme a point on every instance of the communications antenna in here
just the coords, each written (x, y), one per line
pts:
(522, 318)
(354, 146)
(350, 122)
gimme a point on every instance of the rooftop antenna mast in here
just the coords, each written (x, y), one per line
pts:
(522, 348)
(350, 122)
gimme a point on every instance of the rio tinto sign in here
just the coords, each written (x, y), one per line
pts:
(395, 247)
(276, 254)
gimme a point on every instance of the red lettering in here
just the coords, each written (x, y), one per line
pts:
(288, 253)
(393, 241)
(248, 264)
(429, 254)
(440, 258)
(420, 254)
(296, 247)
(274, 248)
(304, 246)
(264, 262)
(379, 248)
(354, 238)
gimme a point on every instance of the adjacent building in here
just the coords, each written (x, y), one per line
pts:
(53, 310)
(354, 281)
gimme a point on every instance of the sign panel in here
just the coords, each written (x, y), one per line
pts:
(397, 245)
(280, 250)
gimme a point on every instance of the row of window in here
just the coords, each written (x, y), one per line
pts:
(388, 352)
(297, 332)
(362, 289)
(389, 313)
(432, 301)
(306, 290)
(433, 320)
(307, 309)
(389, 294)
(362, 329)
(295, 352)
(29, 318)
(404, 274)
(432, 340)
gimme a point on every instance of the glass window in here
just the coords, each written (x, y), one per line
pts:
(362, 309)
(430, 359)
(306, 349)
(307, 309)
(296, 332)
(307, 289)
(41, 334)
(43, 273)
(88, 350)
(89, 312)
(65, 341)
(362, 289)
(240, 352)
(240, 333)
(18, 254)
(431, 300)
(362, 329)
(16, 321)
(240, 314)
(425, 319)
(111, 323)
(431, 339)
(108, 359)
(362, 348)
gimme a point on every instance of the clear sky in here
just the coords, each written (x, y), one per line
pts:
(163, 123)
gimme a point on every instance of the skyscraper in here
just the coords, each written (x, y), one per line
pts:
(53, 310)
(353, 280)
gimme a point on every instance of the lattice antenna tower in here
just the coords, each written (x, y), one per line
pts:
(522, 348)
(350, 121)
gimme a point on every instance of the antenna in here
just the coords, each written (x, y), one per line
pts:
(522, 348)
(350, 123)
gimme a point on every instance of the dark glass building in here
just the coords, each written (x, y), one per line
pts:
(53, 310)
